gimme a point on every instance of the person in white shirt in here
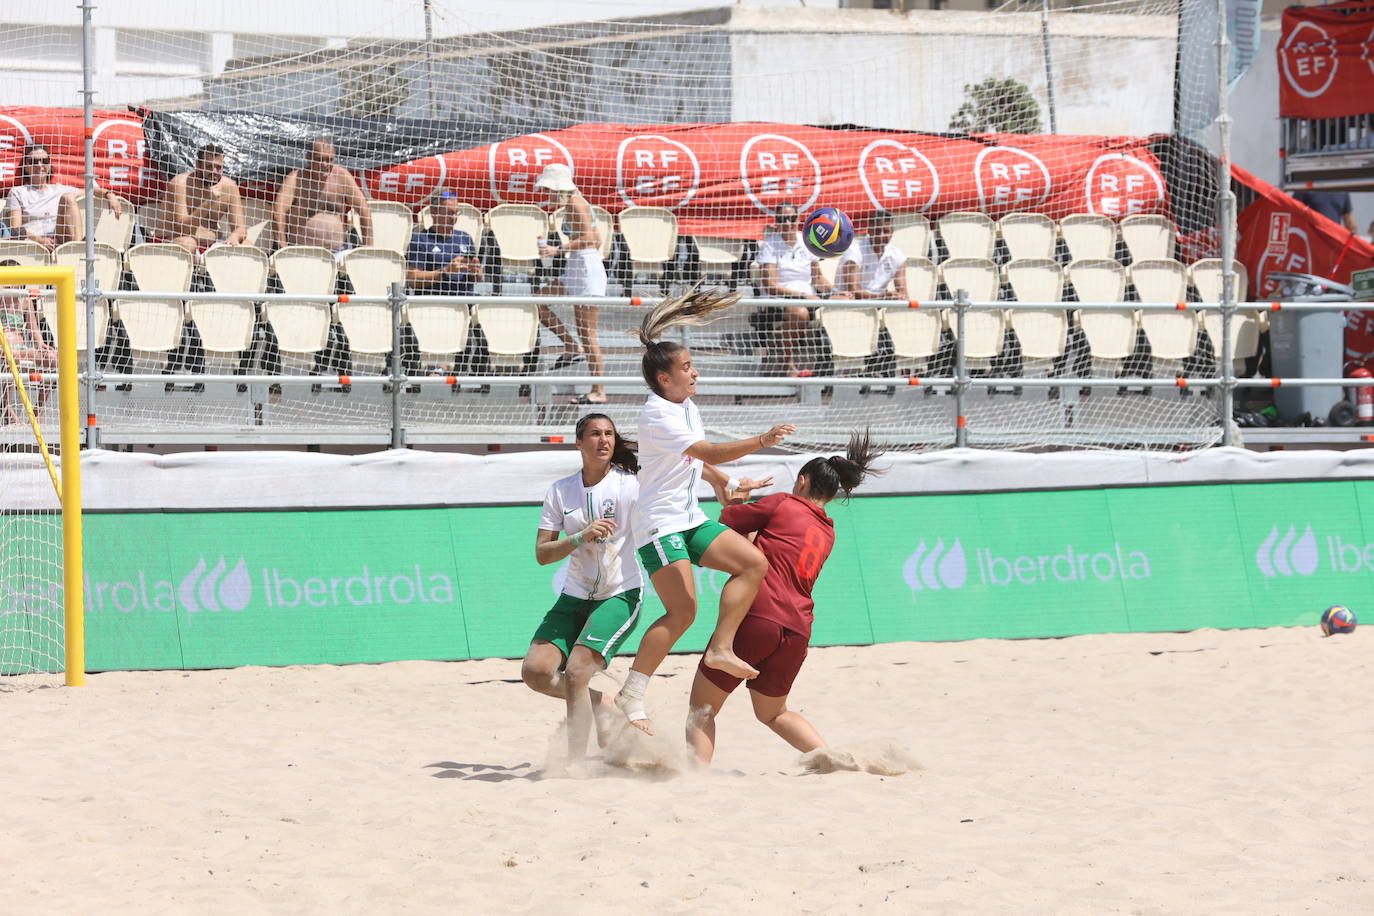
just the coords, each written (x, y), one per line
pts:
(43, 211)
(601, 595)
(671, 531)
(873, 267)
(787, 270)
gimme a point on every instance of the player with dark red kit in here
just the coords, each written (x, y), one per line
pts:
(796, 535)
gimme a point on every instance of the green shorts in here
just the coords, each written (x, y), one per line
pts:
(601, 625)
(681, 545)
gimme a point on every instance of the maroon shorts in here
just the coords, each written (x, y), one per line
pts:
(776, 651)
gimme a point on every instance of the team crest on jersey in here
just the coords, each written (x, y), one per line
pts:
(608, 508)
(675, 541)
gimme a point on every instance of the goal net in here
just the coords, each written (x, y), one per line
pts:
(1040, 180)
(33, 631)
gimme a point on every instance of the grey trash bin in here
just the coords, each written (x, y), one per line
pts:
(1308, 344)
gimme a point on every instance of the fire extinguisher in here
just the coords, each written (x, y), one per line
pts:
(1364, 397)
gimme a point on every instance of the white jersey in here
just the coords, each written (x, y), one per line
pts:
(875, 271)
(37, 205)
(793, 262)
(597, 569)
(667, 474)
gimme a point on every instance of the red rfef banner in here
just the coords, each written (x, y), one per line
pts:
(719, 179)
(1277, 233)
(1326, 61)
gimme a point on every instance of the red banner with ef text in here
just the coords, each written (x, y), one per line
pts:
(1326, 61)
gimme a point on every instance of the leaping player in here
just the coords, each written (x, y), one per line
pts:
(671, 531)
(796, 535)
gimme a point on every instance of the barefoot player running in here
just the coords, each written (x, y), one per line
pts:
(599, 606)
(796, 535)
(671, 531)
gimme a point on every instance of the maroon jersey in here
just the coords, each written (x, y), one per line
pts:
(796, 536)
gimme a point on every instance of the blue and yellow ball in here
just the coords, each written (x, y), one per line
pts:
(1337, 619)
(827, 232)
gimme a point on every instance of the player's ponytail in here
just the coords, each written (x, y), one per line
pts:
(841, 474)
(623, 454)
(694, 307)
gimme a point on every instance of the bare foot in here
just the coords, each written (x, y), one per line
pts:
(633, 707)
(729, 662)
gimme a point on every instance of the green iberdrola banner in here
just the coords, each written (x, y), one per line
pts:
(200, 590)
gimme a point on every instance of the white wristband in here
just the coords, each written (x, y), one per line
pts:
(732, 484)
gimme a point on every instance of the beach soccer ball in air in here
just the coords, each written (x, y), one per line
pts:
(1337, 619)
(827, 232)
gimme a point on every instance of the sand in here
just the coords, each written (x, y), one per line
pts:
(1168, 773)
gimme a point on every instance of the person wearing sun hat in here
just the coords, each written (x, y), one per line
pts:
(583, 274)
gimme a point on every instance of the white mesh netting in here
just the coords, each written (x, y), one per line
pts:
(1058, 158)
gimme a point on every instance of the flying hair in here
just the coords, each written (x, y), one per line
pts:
(693, 308)
(841, 474)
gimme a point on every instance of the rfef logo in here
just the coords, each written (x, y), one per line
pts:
(1309, 61)
(1121, 185)
(514, 166)
(409, 182)
(898, 177)
(652, 170)
(776, 169)
(1010, 179)
(1290, 253)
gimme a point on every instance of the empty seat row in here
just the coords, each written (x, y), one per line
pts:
(1087, 236)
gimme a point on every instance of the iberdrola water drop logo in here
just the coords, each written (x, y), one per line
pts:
(216, 591)
(936, 568)
(1289, 554)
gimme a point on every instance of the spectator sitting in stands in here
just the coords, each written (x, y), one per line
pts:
(313, 203)
(1334, 205)
(873, 267)
(443, 260)
(195, 204)
(41, 211)
(19, 324)
(788, 270)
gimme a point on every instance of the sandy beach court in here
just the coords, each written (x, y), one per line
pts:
(1164, 773)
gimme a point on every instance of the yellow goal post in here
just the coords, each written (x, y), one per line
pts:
(23, 573)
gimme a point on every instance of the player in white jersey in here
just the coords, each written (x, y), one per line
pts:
(873, 267)
(599, 605)
(671, 531)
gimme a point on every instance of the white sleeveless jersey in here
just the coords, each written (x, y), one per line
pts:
(667, 475)
(597, 569)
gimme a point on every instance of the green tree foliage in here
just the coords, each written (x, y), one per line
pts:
(997, 106)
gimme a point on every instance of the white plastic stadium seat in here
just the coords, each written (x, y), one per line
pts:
(1148, 236)
(392, 223)
(985, 328)
(1246, 324)
(968, 235)
(830, 269)
(257, 218)
(650, 234)
(517, 229)
(115, 231)
(302, 328)
(1172, 335)
(717, 255)
(108, 267)
(1089, 237)
(1110, 334)
(853, 334)
(154, 325)
(1041, 331)
(915, 334)
(911, 233)
(441, 329)
(227, 327)
(922, 279)
(372, 271)
(511, 330)
(26, 253)
(1028, 235)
